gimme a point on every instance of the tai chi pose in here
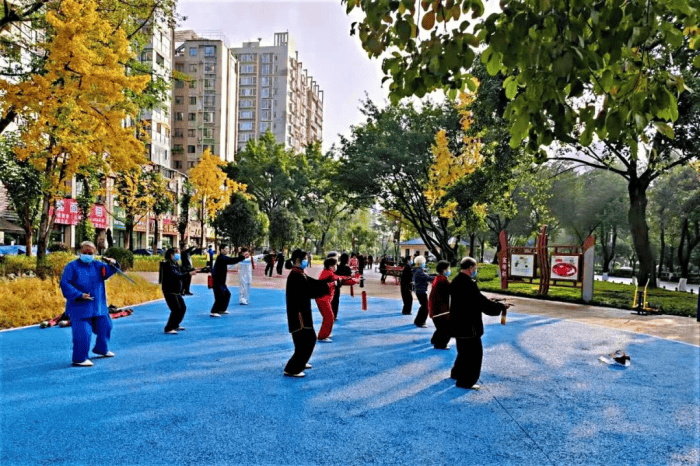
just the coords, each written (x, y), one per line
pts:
(467, 304)
(222, 295)
(439, 306)
(245, 276)
(269, 259)
(280, 262)
(83, 286)
(173, 287)
(300, 291)
(186, 268)
(344, 270)
(421, 280)
(324, 303)
(406, 287)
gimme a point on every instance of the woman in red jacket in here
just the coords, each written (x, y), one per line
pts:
(439, 306)
(324, 302)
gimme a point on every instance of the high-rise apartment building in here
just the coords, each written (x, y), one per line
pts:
(275, 93)
(203, 109)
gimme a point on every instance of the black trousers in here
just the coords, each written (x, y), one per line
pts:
(441, 337)
(304, 343)
(268, 270)
(222, 296)
(279, 268)
(467, 367)
(177, 310)
(336, 301)
(422, 315)
(407, 297)
(186, 283)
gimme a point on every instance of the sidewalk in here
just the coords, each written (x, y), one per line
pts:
(215, 394)
(678, 328)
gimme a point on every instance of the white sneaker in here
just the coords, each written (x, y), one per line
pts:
(225, 312)
(86, 363)
(215, 314)
(171, 332)
(476, 387)
(308, 366)
(109, 354)
(243, 303)
(300, 374)
(326, 340)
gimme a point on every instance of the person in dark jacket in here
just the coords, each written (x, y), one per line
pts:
(269, 259)
(222, 295)
(421, 280)
(280, 262)
(210, 253)
(406, 287)
(342, 269)
(361, 264)
(382, 268)
(83, 286)
(173, 284)
(301, 289)
(466, 306)
(439, 306)
(186, 269)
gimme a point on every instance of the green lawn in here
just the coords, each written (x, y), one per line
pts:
(604, 293)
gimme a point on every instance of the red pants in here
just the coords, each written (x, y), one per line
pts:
(324, 305)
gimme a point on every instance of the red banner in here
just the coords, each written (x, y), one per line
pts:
(66, 212)
(503, 259)
(98, 216)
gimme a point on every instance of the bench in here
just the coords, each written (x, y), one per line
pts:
(394, 271)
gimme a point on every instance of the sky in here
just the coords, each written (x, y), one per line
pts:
(321, 30)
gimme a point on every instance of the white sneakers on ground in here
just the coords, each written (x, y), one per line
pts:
(215, 314)
(108, 354)
(300, 374)
(86, 363)
(171, 332)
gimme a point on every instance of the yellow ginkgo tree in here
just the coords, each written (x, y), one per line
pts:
(448, 168)
(212, 188)
(74, 112)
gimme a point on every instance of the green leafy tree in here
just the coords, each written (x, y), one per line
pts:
(286, 229)
(161, 203)
(240, 222)
(90, 183)
(23, 183)
(184, 202)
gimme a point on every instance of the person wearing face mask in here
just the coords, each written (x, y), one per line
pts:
(439, 306)
(406, 285)
(466, 306)
(83, 286)
(421, 280)
(344, 270)
(173, 287)
(301, 289)
(222, 295)
(324, 303)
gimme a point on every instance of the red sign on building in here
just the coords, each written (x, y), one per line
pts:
(66, 212)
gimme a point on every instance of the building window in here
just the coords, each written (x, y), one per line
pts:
(208, 117)
(208, 84)
(245, 126)
(159, 128)
(193, 51)
(266, 58)
(193, 100)
(207, 133)
(159, 59)
(210, 67)
(178, 116)
(209, 50)
(247, 57)
(248, 81)
(179, 84)
(246, 91)
(193, 84)
(265, 81)
(177, 148)
(266, 103)
(193, 68)
(209, 100)
(265, 92)
(191, 133)
(180, 67)
(264, 126)
(246, 115)
(245, 103)
(266, 69)
(192, 164)
(178, 164)
(247, 69)
(265, 115)
(178, 100)
(179, 133)
(244, 137)
(190, 149)
(191, 117)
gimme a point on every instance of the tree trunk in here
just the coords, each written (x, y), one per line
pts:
(640, 232)
(28, 231)
(662, 252)
(156, 236)
(43, 236)
(608, 251)
(687, 243)
(129, 232)
(204, 236)
(472, 237)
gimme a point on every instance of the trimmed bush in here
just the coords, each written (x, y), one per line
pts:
(121, 255)
(58, 247)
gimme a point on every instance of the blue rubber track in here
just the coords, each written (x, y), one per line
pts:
(215, 393)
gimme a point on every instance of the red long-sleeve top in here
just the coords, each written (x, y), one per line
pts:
(331, 278)
(439, 300)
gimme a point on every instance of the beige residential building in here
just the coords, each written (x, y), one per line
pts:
(276, 93)
(203, 109)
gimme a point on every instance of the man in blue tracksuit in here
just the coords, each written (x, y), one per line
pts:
(83, 286)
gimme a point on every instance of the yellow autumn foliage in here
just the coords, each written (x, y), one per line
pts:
(212, 185)
(28, 301)
(447, 168)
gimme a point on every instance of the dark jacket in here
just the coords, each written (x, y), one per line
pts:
(421, 280)
(187, 259)
(344, 270)
(172, 278)
(301, 289)
(466, 307)
(406, 278)
(220, 268)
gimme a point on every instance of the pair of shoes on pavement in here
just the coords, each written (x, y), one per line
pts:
(218, 314)
(298, 374)
(171, 332)
(108, 354)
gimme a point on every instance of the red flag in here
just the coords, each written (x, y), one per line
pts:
(364, 300)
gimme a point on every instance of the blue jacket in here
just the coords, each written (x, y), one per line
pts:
(78, 278)
(421, 280)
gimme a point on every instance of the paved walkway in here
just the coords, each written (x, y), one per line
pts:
(215, 393)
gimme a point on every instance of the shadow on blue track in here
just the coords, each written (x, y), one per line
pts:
(215, 394)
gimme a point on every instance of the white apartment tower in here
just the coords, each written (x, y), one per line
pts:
(204, 115)
(157, 122)
(275, 93)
